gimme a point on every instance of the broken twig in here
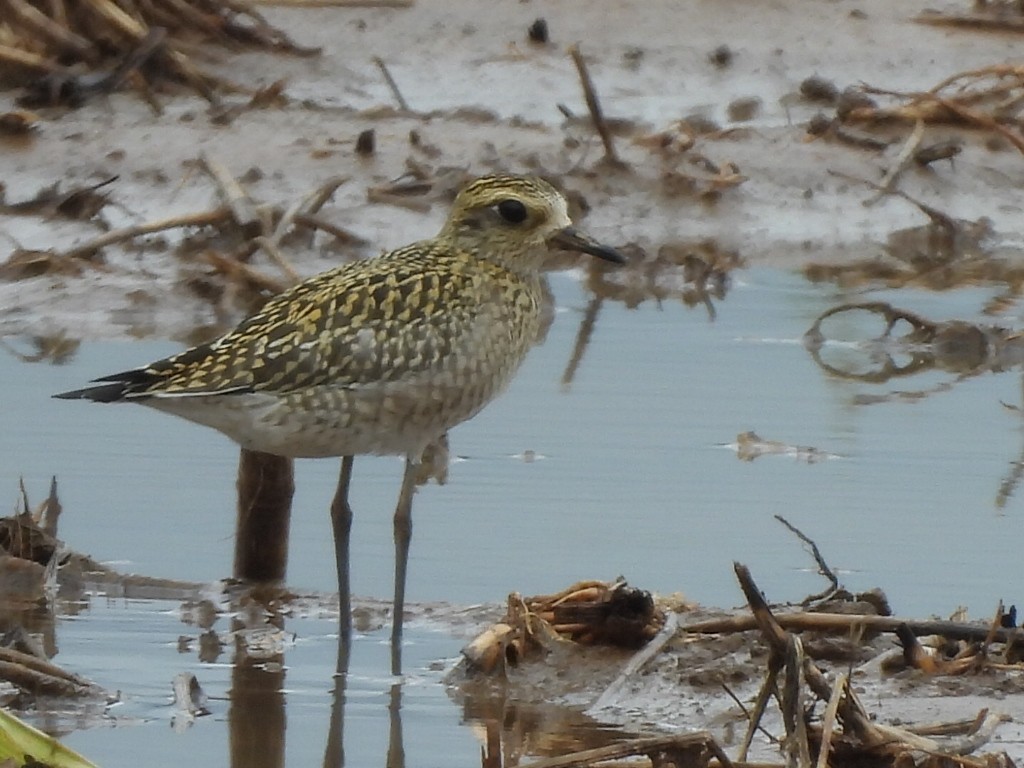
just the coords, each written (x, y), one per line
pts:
(596, 114)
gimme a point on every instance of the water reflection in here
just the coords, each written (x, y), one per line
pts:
(512, 731)
(697, 273)
(907, 344)
(847, 343)
(57, 349)
(256, 717)
(945, 254)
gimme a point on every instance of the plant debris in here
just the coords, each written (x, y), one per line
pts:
(45, 46)
(820, 664)
(588, 612)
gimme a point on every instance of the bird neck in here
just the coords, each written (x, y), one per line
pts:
(519, 257)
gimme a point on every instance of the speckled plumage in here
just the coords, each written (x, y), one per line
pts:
(380, 356)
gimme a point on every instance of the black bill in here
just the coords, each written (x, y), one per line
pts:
(571, 240)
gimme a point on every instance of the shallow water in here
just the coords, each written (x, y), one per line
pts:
(632, 475)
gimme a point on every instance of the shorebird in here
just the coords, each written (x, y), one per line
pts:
(381, 356)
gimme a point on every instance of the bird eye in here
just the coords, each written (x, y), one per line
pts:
(512, 211)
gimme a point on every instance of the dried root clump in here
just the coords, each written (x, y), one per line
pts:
(987, 99)
(64, 53)
(588, 613)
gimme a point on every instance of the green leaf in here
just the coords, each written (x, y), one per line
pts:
(19, 741)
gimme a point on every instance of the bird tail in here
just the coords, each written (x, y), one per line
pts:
(127, 385)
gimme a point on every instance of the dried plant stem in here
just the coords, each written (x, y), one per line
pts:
(594, 105)
(402, 103)
(202, 219)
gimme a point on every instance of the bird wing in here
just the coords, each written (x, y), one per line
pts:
(381, 320)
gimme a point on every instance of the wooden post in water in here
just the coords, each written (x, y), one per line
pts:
(266, 484)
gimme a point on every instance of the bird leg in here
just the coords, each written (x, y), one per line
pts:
(341, 521)
(403, 535)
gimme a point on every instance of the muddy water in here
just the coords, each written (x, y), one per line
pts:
(628, 471)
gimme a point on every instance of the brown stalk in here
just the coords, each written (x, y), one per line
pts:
(34, 20)
(202, 219)
(594, 105)
(843, 623)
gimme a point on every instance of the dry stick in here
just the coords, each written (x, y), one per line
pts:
(51, 510)
(951, 727)
(823, 568)
(237, 270)
(997, 623)
(590, 589)
(195, 19)
(28, 60)
(760, 704)
(828, 721)
(855, 719)
(391, 84)
(58, 12)
(902, 161)
(203, 219)
(375, 195)
(938, 218)
(746, 713)
(995, 70)
(119, 18)
(64, 39)
(342, 234)
(243, 210)
(271, 249)
(854, 716)
(971, 22)
(635, 664)
(41, 683)
(982, 734)
(197, 79)
(596, 115)
(26, 507)
(983, 120)
(32, 663)
(793, 704)
(311, 203)
(841, 622)
(320, 196)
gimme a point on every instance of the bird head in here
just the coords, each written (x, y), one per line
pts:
(513, 220)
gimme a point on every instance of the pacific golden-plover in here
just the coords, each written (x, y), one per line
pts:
(381, 356)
